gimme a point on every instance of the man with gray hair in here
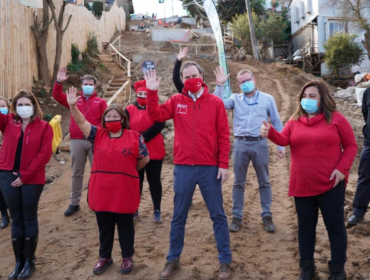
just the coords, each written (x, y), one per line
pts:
(251, 107)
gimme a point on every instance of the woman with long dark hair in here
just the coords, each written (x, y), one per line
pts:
(323, 147)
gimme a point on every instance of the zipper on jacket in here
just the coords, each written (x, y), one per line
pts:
(28, 133)
(193, 140)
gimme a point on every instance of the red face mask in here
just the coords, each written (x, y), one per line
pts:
(141, 101)
(193, 85)
(113, 126)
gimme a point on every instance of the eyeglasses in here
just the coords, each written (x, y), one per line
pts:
(247, 80)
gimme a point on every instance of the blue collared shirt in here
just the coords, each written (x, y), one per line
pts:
(248, 115)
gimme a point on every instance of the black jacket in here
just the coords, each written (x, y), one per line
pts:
(366, 114)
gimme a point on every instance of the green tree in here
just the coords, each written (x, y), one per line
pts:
(193, 9)
(341, 50)
(227, 10)
(97, 8)
(87, 5)
(269, 29)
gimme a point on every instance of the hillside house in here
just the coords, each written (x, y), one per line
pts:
(312, 23)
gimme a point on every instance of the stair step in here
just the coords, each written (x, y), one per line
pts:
(119, 80)
(116, 84)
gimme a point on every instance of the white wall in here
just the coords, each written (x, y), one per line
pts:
(32, 3)
(303, 18)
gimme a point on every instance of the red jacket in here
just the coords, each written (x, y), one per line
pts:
(140, 122)
(316, 148)
(92, 108)
(36, 151)
(201, 128)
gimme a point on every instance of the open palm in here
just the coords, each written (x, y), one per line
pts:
(182, 54)
(152, 82)
(62, 75)
(72, 97)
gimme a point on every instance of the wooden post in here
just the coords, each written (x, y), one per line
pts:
(251, 27)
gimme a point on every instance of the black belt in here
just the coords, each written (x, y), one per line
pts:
(248, 138)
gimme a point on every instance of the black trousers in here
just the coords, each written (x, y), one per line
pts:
(3, 206)
(23, 202)
(153, 174)
(362, 196)
(331, 205)
(126, 233)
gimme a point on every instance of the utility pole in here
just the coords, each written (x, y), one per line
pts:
(251, 28)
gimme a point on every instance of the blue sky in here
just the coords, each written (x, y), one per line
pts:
(163, 10)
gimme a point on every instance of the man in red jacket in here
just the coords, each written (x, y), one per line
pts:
(201, 156)
(92, 107)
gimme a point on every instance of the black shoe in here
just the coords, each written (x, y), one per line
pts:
(18, 248)
(30, 245)
(4, 219)
(71, 210)
(337, 272)
(353, 220)
(235, 225)
(308, 270)
(269, 225)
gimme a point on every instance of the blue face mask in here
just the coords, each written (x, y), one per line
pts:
(88, 90)
(247, 87)
(309, 105)
(4, 111)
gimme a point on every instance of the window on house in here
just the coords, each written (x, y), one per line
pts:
(301, 8)
(333, 27)
(296, 14)
(309, 6)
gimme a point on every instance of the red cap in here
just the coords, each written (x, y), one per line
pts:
(140, 86)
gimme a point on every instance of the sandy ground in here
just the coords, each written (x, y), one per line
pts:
(68, 247)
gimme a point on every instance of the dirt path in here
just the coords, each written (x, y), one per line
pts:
(68, 247)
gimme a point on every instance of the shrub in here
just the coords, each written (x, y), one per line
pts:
(92, 48)
(341, 50)
(75, 52)
(87, 5)
(97, 8)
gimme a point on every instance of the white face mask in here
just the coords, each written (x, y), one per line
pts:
(24, 111)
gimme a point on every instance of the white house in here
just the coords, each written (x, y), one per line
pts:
(314, 21)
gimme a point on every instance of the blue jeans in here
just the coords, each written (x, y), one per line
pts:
(23, 203)
(258, 153)
(331, 205)
(362, 196)
(186, 178)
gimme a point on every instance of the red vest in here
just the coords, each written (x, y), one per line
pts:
(139, 122)
(114, 184)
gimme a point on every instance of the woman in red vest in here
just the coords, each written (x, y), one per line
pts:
(25, 151)
(114, 186)
(151, 133)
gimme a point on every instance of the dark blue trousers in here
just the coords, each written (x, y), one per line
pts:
(3, 206)
(331, 205)
(186, 178)
(23, 202)
(362, 196)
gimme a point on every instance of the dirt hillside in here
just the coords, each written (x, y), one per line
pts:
(68, 247)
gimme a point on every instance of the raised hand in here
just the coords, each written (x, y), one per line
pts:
(152, 82)
(221, 78)
(265, 128)
(62, 75)
(72, 97)
(182, 54)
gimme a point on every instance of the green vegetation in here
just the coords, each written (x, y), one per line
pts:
(341, 50)
(271, 28)
(97, 8)
(227, 10)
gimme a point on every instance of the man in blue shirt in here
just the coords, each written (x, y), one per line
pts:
(251, 107)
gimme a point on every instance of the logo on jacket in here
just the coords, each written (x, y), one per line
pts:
(126, 152)
(181, 109)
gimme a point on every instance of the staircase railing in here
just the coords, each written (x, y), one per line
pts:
(125, 64)
(120, 59)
